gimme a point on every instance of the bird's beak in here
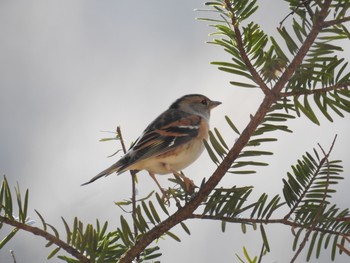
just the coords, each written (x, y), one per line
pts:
(213, 104)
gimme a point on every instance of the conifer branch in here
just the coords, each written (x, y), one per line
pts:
(49, 237)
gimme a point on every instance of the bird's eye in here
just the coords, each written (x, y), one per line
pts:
(204, 102)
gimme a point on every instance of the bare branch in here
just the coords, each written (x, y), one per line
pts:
(133, 182)
(13, 256)
(120, 136)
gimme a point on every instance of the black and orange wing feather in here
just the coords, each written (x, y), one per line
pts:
(170, 130)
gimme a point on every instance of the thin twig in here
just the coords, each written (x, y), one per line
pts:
(304, 3)
(120, 136)
(261, 253)
(342, 248)
(13, 256)
(133, 182)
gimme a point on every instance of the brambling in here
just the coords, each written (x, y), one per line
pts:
(171, 142)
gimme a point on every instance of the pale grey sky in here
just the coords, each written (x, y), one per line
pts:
(71, 69)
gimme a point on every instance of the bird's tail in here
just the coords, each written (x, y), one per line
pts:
(114, 168)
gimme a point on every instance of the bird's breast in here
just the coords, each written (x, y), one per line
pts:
(176, 159)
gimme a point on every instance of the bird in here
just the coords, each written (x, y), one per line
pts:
(170, 143)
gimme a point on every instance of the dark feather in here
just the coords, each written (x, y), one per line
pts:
(162, 135)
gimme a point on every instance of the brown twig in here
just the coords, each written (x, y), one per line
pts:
(13, 256)
(47, 236)
(342, 248)
(133, 181)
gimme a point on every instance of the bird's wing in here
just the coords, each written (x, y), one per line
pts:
(168, 131)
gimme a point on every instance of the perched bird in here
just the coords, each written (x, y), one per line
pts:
(171, 142)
